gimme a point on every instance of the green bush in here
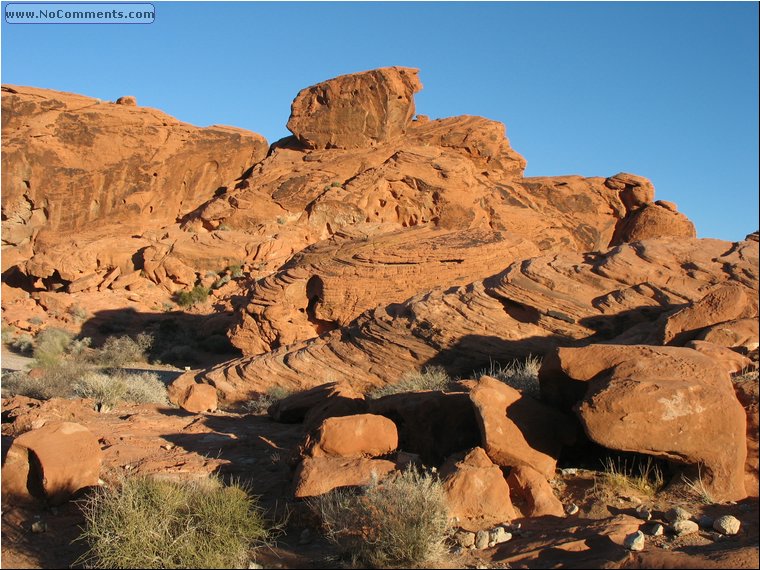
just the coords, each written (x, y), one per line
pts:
(431, 378)
(23, 343)
(197, 294)
(399, 523)
(149, 523)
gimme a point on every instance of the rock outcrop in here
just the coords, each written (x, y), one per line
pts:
(532, 306)
(77, 166)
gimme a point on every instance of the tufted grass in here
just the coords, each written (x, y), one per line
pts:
(430, 378)
(151, 523)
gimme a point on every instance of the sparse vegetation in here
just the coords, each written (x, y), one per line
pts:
(123, 350)
(521, 375)
(197, 294)
(643, 477)
(77, 312)
(23, 343)
(108, 390)
(697, 488)
(150, 523)
(401, 522)
(236, 270)
(430, 378)
(262, 403)
(51, 346)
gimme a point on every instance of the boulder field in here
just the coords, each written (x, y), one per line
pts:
(373, 243)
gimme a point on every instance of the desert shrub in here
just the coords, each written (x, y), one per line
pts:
(123, 350)
(179, 355)
(23, 343)
(57, 381)
(77, 312)
(150, 523)
(236, 270)
(399, 523)
(36, 320)
(50, 346)
(9, 333)
(520, 375)
(197, 294)
(430, 378)
(223, 280)
(262, 403)
(109, 390)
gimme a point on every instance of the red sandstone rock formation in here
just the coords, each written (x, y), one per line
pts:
(530, 307)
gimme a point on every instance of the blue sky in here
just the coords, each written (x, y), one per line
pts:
(664, 90)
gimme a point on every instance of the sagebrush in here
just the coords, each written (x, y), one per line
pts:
(151, 523)
(401, 522)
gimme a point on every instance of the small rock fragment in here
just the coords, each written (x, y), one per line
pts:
(571, 509)
(657, 530)
(643, 513)
(465, 539)
(481, 540)
(499, 535)
(38, 527)
(677, 514)
(727, 524)
(635, 541)
(684, 527)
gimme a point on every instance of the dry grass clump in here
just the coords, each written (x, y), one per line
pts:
(111, 389)
(521, 375)
(149, 523)
(644, 478)
(197, 294)
(399, 523)
(430, 378)
(263, 402)
(50, 346)
(56, 381)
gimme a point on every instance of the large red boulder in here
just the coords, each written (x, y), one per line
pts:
(477, 493)
(357, 110)
(51, 463)
(318, 475)
(533, 494)
(670, 402)
(361, 435)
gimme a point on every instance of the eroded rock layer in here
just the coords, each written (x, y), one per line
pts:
(625, 294)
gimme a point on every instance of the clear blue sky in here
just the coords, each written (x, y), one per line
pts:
(664, 90)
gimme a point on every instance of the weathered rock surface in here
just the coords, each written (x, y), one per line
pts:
(191, 396)
(360, 435)
(319, 475)
(670, 402)
(748, 393)
(532, 493)
(477, 493)
(75, 164)
(518, 430)
(532, 306)
(357, 110)
(51, 463)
